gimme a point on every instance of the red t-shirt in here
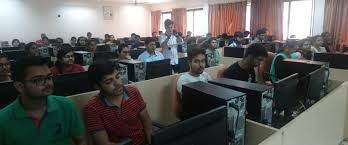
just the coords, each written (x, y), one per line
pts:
(65, 70)
(119, 123)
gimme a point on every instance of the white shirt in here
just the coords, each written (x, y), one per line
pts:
(171, 54)
(320, 50)
(187, 78)
(147, 57)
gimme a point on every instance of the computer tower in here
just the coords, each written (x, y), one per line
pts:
(259, 97)
(200, 97)
(136, 70)
(123, 70)
(83, 57)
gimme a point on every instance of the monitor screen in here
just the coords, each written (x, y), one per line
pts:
(157, 69)
(316, 85)
(134, 53)
(72, 84)
(285, 92)
(209, 128)
(335, 60)
(236, 52)
(14, 54)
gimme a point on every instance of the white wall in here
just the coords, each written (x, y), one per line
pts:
(27, 19)
(318, 17)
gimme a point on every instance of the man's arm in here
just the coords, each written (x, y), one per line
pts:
(147, 123)
(164, 43)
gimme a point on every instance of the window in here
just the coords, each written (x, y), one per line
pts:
(196, 19)
(248, 17)
(297, 18)
(165, 16)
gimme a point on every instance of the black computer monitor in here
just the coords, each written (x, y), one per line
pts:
(208, 128)
(134, 53)
(158, 69)
(79, 48)
(54, 42)
(72, 84)
(316, 85)
(183, 65)
(10, 48)
(8, 93)
(336, 60)
(104, 56)
(285, 93)
(14, 54)
(236, 52)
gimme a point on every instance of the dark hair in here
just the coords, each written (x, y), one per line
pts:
(224, 35)
(45, 38)
(61, 39)
(239, 35)
(15, 40)
(159, 32)
(246, 33)
(133, 34)
(20, 69)
(256, 50)
(72, 38)
(78, 40)
(2, 55)
(314, 38)
(21, 45)
(261, 31)
(193, 52)
(61, 53)
(301, 42)
(98, 70)
(324, 34)
(89, 33)
(121, 47)
(168, 22)
(149, 40)
(28, 46)
(291, 43)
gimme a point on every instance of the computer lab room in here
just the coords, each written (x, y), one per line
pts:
(174, 72)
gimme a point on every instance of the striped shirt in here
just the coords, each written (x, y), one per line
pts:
(119, 122)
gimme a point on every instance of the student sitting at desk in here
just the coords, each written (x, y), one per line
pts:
(304, 51)
(82, 41)
(196, 73)
(118, 112)
(92, 45)
(283, 53)
(317, 45)
(213, 54)
(73, 42)
(31, 49)
(37, 117)
(150, 54)
(244, 69)
(238, 40)
(123, 52)
(5, 68)
(261, 36)
(66, 62)
(15, 43)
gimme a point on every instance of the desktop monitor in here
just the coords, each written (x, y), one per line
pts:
(14, 54)
(259, 98)
(134, 53)
(72, 84)
(317, 83)
(54, 42)
(209, 128)
(183, 65)
(285, 93)
(156, 69)
(104, 56)
(10, 48)
(8, 93)
(200, 97)
(236, 52)
(336, 60)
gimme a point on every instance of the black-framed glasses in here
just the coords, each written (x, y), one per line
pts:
(39, 81)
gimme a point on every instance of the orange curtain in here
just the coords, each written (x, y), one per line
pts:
(267, 14)
(227, 18)
(155, 21)
(179, 17)
(336, 21)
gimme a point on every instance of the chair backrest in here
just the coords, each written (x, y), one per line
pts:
(176, 98)
(221, 72)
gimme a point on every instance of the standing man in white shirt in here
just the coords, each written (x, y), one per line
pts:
(169, 44)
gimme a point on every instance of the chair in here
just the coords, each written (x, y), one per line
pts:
(221, 72)
(176, 98)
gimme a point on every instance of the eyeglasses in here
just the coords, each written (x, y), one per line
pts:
(2, 65)
(39, 81)
(68, 56)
